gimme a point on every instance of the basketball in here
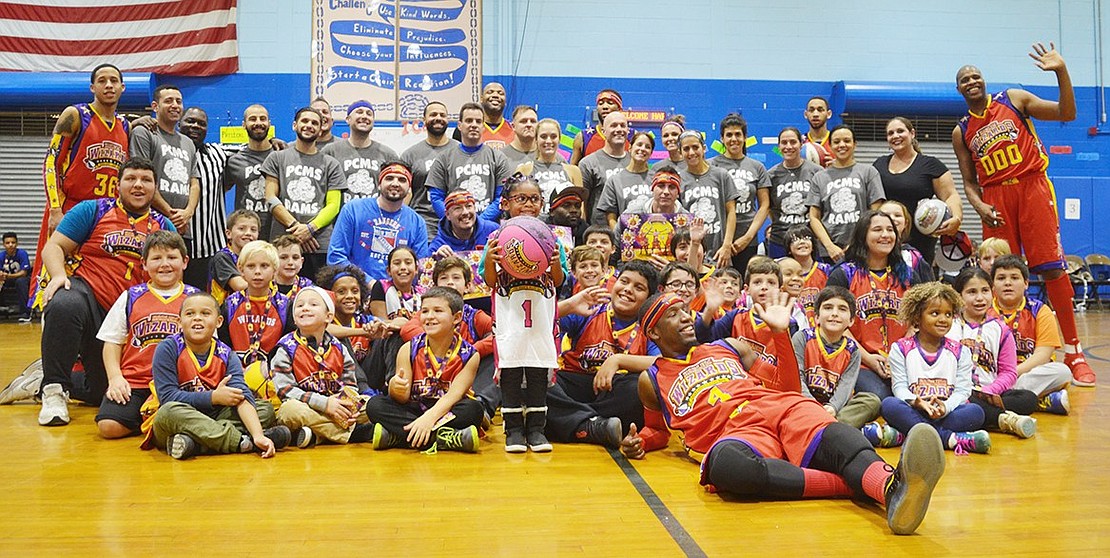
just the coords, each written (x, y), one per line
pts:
(527, 246)
(258, 380)
(930, 214)
(815, 153)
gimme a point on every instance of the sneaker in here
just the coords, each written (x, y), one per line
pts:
(303, 438)
(279, 435)
(602, 431)
(911, 486)
(1081, 373)
(882, 435)
(1021, 426)
(55, 411)
(24, 386)
(182, 446)
(537, 442)
(464, 440)
(964, 443)
(384, 439)
(1056, 403)
(25, 319)
(515, 442)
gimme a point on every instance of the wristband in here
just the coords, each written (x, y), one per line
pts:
(273, 202)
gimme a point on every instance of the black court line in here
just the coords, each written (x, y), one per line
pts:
(687, 543)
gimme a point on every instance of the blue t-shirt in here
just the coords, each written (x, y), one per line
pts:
(364, 235)
(14, 263)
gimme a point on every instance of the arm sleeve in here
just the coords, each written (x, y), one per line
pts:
(222, 270)
(50, 171)
(899, 379)
(438, 197)
(77, 224)
(816, 186)
(483, 329)
(281, 367)
(271, 166)
(24, 261)
(934, 168)
(114, 327)
(141, 144)
(1006, 363)
(962, 389)
(436, 184)
(493, 211)
(377, 292)
(164, 369)
(327, 214)
(339, 247)
(847, 383)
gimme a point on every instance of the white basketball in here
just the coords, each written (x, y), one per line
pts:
(930, 214)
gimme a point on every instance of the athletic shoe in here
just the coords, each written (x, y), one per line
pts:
(882, 435)
(24, 386)
(464, 440)
(964, 443)
(911, 486)
(384, 439)
(1056, 403)
(25, 319)
(1081, 373)
(602, 431)
(303, 438)
(1021, 426)
(515, 442)
(182, 446)
(55, 409)
(279, 435)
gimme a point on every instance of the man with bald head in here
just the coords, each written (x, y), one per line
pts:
(605, 162)
(497, 132)
(242, 171)
(1004, 165)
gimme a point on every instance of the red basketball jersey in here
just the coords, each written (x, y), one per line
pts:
(751, 329)
(150, 319)
(360, 344)
(318, 370)
(110, 260)
(1003, 143)
(815, 280)
(255, 325)
(598, 341)
(88, 163)
(822, 368)
(1023, 322)
(194, 376)
(432, 377)
(499, 136)
(878, 298)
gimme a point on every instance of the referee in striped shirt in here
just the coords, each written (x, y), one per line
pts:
(209, 220)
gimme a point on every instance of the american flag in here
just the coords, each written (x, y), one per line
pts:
(187, 37)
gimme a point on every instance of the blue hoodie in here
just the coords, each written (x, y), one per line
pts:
(477, 241)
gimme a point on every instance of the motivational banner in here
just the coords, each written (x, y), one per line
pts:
(397, 54)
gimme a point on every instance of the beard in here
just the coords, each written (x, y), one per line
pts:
(436, 129)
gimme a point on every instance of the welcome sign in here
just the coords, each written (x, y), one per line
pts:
(397, 54)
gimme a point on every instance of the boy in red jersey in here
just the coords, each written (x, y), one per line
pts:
(1004, 164)
(430, 405)
(255, 318)
(758, 435)
(205, 404)
(762, 283)
(141, 318)
(106, 237)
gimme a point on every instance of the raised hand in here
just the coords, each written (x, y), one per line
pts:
(777, 313)
(1047, 59)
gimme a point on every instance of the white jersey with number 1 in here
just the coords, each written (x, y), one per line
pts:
(524, 322)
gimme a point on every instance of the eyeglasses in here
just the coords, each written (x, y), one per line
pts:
(682, 285)
(527, 198)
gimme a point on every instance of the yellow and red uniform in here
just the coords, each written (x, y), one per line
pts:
(254, 325)
(878, 298)
(822, 368)
(815, 280)
(110, 259)
(431, 377)
(315, 370)
(1033, 324)
(150, 319)
(360, 344)
(195, 377)
(498, 137)
(598, 339)
(86, 165)
(476, 328)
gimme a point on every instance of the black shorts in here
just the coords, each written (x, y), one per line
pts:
(127, 415)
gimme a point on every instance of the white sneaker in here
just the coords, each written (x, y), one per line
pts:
(55, 409)
(24, 386)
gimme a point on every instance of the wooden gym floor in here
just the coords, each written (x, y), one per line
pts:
(66, 492)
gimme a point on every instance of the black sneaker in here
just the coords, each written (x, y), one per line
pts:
(279, 435)
(911, 486)
(603, 432)
(464, 440)
(303, 438)
(182, 446)
(384, 439)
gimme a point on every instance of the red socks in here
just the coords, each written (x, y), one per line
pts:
(1060, 293)
(823, 484)
(875, 480)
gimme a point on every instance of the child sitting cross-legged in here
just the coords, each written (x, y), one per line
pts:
(429, 406)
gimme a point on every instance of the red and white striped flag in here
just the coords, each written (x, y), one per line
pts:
(179, 37)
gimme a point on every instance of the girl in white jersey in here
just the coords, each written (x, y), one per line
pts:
(931, 374)
(524, 328)
(994, 354)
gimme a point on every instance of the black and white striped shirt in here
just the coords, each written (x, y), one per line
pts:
(209, 220)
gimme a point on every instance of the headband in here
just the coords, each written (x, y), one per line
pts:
(341, 275)
(612, 96)
(360, 104)
(319, 291)
(681, 128)
(657, 309)
(460, 197)
(560, 200)
(662, 178)
(394, 168)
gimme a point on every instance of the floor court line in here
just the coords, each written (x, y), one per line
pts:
(677, 532)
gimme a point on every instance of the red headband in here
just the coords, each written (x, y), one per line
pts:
(612, 96)
(459, 197)
(564, 199)
(657, 309)
(395, 168)
(664, 178)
